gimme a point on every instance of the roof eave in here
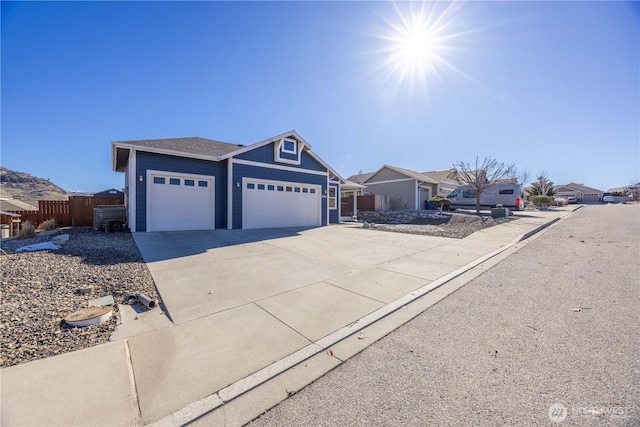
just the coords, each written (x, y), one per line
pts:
(117, 145)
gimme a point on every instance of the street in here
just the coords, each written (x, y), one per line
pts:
(549, 336)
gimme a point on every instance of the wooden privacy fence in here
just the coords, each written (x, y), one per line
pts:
(77, 211)
(48, 209)
(81, 208)
(368, 202)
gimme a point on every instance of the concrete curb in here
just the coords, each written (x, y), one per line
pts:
(217, 400)
(543, 226)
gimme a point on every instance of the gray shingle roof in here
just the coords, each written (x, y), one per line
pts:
(189, 145)
(360, 178)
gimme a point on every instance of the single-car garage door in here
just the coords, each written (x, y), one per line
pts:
(177, 202)
(275, 204)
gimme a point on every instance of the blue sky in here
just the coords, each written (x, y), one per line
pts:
(550, 86)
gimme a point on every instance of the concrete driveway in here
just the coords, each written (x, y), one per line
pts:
(290, 272)
(257, 313)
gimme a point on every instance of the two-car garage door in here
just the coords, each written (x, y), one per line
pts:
(274, 204)
(177, 202)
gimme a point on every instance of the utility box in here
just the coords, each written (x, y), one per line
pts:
(110, 217)
(500, 212)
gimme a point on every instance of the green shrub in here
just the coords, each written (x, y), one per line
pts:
(542, 201)
(27, 230)
(441, 201)
(48, 225)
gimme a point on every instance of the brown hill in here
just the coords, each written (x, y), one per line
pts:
(22, 186)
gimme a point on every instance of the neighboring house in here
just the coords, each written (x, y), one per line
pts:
(407, 189)
(631, 192)
(360, 178)
(446, 179)
(349, 192)
(13, 205)
(200, 184)
(111, 193)
(582, 193)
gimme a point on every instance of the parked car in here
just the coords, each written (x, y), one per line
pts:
(508, 195)
(608, 199)
(572, 200)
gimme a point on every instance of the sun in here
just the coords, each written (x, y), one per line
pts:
(418, 43)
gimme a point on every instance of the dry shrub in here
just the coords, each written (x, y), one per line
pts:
(48, 225)
(27, 231)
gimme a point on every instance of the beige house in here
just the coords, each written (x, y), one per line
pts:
(582, 193)
(446, 179)
(406, 189)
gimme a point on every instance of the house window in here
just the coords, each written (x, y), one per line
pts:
(289, 146)
(189, 182)
(332, 198)
(203, 184)
(158, 180)
(174, 181)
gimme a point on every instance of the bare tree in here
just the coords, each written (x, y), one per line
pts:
(482, 174)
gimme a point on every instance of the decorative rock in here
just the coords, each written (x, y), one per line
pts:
(60, 239)
(40, 288)
(85, 290)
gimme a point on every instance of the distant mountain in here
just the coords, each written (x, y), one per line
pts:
(22, 186)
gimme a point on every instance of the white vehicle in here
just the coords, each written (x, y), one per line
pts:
(508, 195)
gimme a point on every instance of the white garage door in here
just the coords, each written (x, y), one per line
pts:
(177, 202)
(275, 204)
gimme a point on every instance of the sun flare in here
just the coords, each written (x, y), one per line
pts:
(417, 43)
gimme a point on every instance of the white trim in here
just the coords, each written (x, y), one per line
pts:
(149, 183)
(230, 193)
(278, 149)
(295, 146)
(167, 152)
(335, 187)
(417, 207)
(132, 191)
(279, 167)
(266, 142)
(390, 181)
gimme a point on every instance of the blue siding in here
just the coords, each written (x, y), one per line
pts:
(161, 162)
(288, 156)
(308, 162)
(245, 171)
(334, 217)
(266, 154)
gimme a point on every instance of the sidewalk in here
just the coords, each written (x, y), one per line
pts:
(231, 366)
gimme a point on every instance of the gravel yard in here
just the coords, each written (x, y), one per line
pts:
(447, 224)
(40, 288)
